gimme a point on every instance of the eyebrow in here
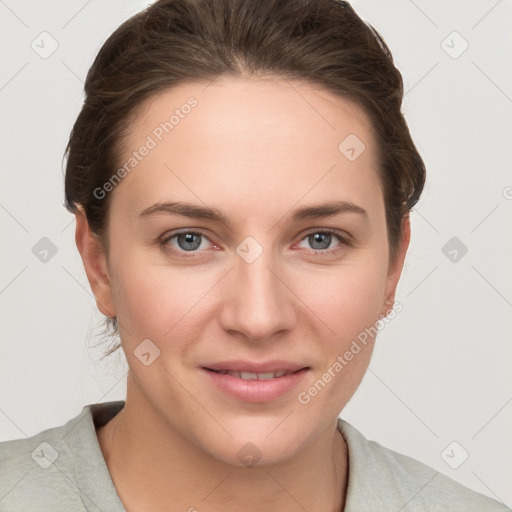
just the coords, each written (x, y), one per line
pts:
(193, 211)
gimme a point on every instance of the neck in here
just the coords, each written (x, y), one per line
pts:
(152, 465)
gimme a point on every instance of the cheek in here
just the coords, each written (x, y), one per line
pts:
(348, 302)
(348, 299)
(153, 300)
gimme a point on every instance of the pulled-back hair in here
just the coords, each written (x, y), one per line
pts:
(323, 42)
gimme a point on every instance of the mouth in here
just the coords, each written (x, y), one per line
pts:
(252, 382)
(255, 376)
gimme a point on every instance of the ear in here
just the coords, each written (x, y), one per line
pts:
(395, 267)
(95, 264)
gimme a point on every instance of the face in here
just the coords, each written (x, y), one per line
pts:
(245, 239)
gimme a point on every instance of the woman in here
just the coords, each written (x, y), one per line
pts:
(241, 176)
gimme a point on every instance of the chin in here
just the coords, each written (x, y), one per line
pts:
(253, 455)
(254, 448)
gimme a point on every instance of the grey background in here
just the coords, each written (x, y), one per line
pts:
(441, 368)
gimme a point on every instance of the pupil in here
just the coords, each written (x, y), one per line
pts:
(190, 241)
(323, 238)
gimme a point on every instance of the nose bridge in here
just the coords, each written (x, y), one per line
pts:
(259, 305)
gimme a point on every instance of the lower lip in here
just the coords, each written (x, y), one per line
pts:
(256, 390)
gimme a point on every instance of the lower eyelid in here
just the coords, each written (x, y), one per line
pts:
(343, 241)
(165, 242)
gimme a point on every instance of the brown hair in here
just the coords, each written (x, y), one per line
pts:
(323, 42)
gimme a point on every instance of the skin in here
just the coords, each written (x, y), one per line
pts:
(255, 149)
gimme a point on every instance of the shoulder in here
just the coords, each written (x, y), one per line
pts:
(35, 471)
(53, 470)
(380, 477)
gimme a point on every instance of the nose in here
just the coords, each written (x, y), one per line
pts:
(257, 303)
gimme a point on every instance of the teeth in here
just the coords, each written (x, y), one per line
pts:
(248, 376)
(255, 376)
(266, 376)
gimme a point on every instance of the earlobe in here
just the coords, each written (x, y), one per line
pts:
(95, 264)
(395, 267)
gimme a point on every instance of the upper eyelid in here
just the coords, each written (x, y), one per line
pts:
(195, 231)
(343, 236)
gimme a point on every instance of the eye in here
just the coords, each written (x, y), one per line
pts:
(186, 242)
(189, 244)
(324, 241)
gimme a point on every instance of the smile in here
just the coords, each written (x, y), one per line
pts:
(252, 375)
(251, 382)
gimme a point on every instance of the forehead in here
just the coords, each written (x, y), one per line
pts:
(247, 138)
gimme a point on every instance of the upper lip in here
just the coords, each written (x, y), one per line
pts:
(255, 367)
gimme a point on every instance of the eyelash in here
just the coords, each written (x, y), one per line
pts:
(344, 241)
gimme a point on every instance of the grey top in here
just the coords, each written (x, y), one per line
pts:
(63, 469)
